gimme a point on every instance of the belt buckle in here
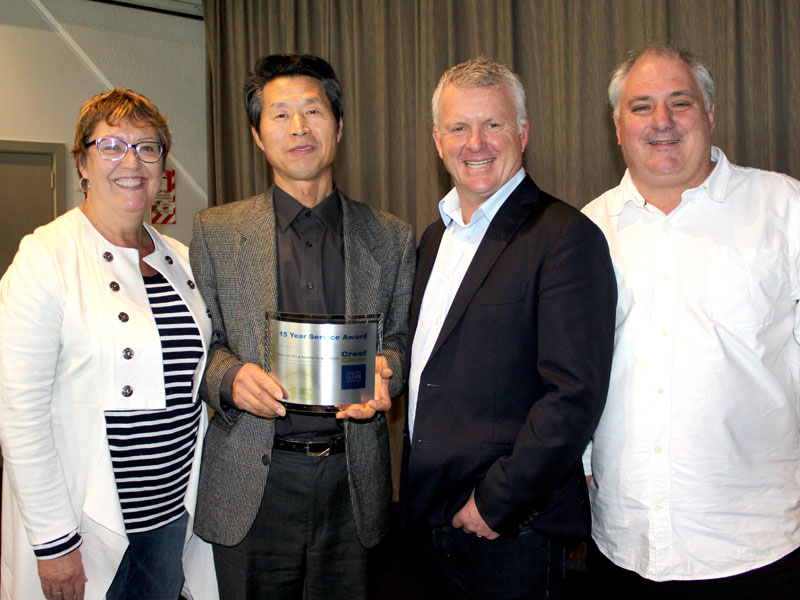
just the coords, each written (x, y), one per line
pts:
(325, 452)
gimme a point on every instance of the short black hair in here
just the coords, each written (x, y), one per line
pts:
(283, 65)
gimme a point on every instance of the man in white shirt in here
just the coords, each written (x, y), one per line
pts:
(512, 320)
(696, 460)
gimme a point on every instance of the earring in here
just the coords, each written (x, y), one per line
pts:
(84, 185)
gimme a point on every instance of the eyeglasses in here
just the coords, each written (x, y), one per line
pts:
(111, 148)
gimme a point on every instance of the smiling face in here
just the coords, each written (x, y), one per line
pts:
(663, 126)
(298, 132)
(127, 185)
(479, 141)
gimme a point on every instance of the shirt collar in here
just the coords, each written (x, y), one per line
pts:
(715, 185)
(329, 211)
(450, 207)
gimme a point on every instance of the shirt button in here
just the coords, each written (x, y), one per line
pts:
(309, 244)
(658, 449)
(127, 353)
(663, 332)
(668, 224)
(308, 213)
(127, 391)
(310, 285)
(666, 276)
(190, 283)
(265, 459)
(108, 257)
(208, 313)
(661, 390)
(123, 316)
(168, 259)
(657, 507)
(114, 286)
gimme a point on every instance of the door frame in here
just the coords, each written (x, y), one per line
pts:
(58, 159)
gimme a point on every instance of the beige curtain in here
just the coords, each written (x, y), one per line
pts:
(389, 55)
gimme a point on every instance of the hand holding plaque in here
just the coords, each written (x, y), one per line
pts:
(381, 401)
(258, 392)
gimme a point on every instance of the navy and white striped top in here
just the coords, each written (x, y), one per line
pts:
(152, 450)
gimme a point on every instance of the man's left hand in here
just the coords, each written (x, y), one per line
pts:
(471, 521)
(380, 403)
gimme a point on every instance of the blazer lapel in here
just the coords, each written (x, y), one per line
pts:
(505, 224)
(361, 271)
(256, 265)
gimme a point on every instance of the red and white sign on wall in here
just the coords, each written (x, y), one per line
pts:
(162, 211)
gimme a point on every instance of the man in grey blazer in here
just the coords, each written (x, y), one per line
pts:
(304, 531)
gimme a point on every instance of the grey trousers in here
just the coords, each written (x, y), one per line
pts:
(303, 543)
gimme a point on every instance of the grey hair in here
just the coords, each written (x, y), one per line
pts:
(620, 75)
(481, 72)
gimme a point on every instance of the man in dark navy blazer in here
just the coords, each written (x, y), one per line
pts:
(511, 336)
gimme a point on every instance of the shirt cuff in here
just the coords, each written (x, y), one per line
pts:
(226, 388)
(58, 547)
(587, 459)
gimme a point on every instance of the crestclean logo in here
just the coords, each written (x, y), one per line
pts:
(354, 377)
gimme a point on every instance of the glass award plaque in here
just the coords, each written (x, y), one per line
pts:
(323, 361)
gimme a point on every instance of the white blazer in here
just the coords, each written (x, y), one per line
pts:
(70, 303)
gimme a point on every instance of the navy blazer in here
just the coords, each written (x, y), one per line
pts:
(518, 376)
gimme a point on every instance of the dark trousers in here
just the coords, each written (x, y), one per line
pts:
(303, 543)
(458, 565)
(777, 581)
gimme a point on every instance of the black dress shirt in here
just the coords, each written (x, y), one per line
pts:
(310, 280)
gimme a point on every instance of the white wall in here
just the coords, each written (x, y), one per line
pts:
(55, 54)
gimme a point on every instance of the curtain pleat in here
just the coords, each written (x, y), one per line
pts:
(389, 55)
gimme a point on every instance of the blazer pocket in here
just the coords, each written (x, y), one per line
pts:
(503, 294)
(220, 423)
(499, 448)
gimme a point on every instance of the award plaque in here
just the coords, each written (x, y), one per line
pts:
(324, 360)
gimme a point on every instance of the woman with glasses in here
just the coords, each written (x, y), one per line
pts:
(104, 340)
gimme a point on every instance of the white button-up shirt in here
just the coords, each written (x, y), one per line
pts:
(696, 459)
(459, 243)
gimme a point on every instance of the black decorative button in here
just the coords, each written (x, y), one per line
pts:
(208, 313)
(123, 316)
(309, 244)
(168, 259)
(265, 459)
(127, 391)
(190, 283)
(127, 354)
(108, 256)
(114, 286)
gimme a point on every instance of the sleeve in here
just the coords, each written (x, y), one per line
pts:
(576, 309)
(31, 312)
(395, 332)
(58, 547)
(220, 358)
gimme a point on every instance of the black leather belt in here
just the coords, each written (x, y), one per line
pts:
(334, 445)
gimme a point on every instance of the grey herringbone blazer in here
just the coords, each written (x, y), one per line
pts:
(233, 257)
